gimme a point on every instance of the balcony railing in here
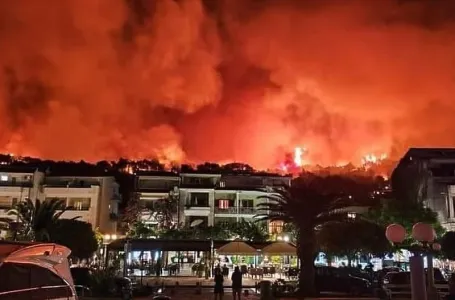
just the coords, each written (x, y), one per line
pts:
(190, 205)
(230, 210)
(25, 184)
(236, 210)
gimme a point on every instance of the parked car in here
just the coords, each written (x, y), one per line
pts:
(329, 279)
(398, 284)
(84, 281)
(35, 271)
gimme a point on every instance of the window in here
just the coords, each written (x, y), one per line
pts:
(26, 276)
(222, 184)
(276, 227)
(248, 203)
(199, 199)
(4, 177)
(79, 203)
(223, 204)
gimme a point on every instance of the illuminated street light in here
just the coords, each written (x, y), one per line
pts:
(286, 238)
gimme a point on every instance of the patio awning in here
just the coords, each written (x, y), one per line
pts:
(237, 248)
(280, 248)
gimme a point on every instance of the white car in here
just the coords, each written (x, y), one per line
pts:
(35, 271)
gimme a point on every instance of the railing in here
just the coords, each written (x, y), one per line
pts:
(236, 210)
(26, 184)
(193, 205)
(230, 210)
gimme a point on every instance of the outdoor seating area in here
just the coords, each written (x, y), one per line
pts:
(163, 258)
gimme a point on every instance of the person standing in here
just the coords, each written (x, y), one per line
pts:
(236, 283)
(219, 288)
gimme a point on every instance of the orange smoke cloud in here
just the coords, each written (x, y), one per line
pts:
(241, 80)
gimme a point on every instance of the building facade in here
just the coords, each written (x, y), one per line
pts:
(207, 199)
(431, 172)
(93, 199)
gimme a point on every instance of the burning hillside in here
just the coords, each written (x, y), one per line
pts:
(227, 80)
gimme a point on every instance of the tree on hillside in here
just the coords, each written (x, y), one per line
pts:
(405, 214)
(76, 235)
(448, 245)
(350, 239)
(311, 202)
(37, 218)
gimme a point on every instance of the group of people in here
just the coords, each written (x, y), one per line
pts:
(236, 278)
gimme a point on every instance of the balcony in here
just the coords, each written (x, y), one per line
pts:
(247, 211)
(197, 210)
(236, 210)
(25, 184)
(227, 211)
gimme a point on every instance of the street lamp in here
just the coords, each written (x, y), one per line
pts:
(106, 239)
(425, 234)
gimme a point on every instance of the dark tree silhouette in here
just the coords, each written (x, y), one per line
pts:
(448, 245)
(76, 235)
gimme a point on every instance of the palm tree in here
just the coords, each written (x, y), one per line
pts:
(309, 203)
(36, 218)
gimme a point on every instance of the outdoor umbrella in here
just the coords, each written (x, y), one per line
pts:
(237, 248)
(280, 248)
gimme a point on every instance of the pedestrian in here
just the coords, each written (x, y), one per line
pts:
(219, 288)
(236, 283)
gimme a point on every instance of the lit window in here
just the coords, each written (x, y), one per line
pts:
(276, 227)
(223, 204)
(4, 177)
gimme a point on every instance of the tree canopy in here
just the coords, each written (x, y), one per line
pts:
(76, 235)
(349, 239)
(448, 245)
(406, 215)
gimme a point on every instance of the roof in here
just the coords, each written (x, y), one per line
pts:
(157, 173)
(175, 245)
(17, 169)
(430, 153)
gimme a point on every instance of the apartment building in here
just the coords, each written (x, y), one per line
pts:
(207, 199)
(94, 199)
(153, 186)
(18, 184)
(433, 172)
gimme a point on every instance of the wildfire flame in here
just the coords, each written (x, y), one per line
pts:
(298, 153)
(372, 159)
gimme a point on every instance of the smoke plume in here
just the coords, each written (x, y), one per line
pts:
(227, 80)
